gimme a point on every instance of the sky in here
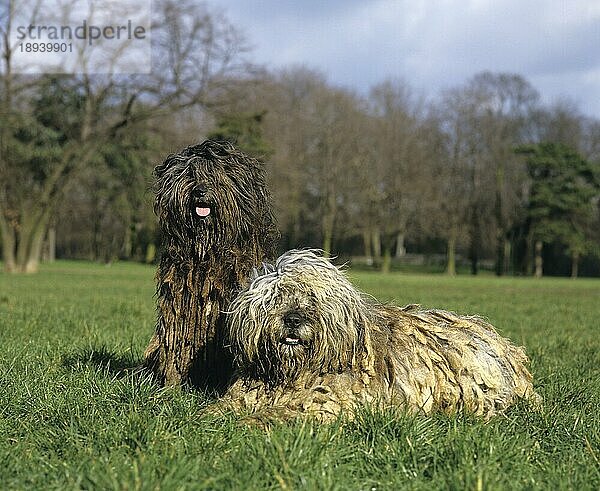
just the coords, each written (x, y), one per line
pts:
(432, 44)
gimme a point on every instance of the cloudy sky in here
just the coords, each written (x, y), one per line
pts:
(433, 44)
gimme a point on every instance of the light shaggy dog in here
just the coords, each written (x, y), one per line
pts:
(306, 342)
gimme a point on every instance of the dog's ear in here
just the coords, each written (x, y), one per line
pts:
(159, 183)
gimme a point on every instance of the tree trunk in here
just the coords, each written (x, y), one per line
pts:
(474, 257)
(26, 238)
(49, 249)
(52, 244)
(367, 245)
(150, 252)
(538, 259)
(376, 237)
(400, 249)
(475, 243)
(500, 223)
(327, 240)
(96, 249)
(8, 246)
(451, 255)
(528, 266)
(329, 221)
(507, 255)
(574, 265)
(127, 248)
(386, 264)
(30, 241)
(35, 252)
(7, 231)
(500, 254)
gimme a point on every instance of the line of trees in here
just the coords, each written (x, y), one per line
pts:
(484, 171)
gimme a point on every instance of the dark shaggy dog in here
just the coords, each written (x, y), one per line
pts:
(307, 342)
(216, 220)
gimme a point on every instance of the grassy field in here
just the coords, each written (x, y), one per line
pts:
(71, 417)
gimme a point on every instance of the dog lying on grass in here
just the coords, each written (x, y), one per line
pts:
(306, 342)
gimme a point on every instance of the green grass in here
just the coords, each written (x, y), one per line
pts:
(72, 416)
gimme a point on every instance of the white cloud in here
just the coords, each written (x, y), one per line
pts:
(432, 43)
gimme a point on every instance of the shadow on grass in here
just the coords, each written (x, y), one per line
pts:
(110, 361)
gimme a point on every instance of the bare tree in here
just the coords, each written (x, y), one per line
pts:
(492, 114)
(338, 156)
(561, 122)
(505, 117)
(197, 56)
(315, 132)
(290, 129)
(398, 167)
(448, 208)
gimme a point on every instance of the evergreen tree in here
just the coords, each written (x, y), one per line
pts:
(564, 188)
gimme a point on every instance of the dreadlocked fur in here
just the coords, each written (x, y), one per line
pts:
(305, 341)
(217, 225)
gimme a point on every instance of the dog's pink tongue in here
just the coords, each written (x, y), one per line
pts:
(202, 212)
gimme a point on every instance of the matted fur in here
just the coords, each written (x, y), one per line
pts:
(305, 341)
(206, 259)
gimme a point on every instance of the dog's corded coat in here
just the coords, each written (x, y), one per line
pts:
(216, 220)
(305, 341)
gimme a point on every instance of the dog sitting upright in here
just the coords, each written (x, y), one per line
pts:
(306, 342)
(216, 220)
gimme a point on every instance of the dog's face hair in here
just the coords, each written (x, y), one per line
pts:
(281, 325)
(213, 197)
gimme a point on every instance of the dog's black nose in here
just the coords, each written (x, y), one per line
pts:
(200, 191)
(292, 320)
